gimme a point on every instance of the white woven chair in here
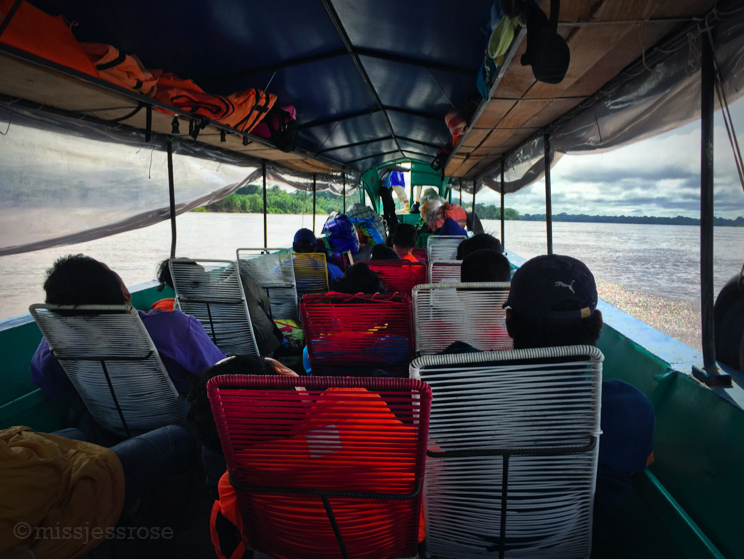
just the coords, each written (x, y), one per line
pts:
(273, 271)
(311, 273)
(113, 364)
(466, 312)
(512, 455)
(443, 247)
(447, 271)
(211, 292)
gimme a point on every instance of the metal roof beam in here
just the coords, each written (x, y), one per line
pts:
(371, 53)
(273, 67)
(328, 5)
(335, 119)
(375, 155)
(356, 144)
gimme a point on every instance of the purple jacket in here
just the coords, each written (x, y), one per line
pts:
(183, 345)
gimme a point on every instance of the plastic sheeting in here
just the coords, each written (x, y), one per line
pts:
(304, 181)
(652, 97)
(65, 181)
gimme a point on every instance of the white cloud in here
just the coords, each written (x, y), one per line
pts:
(658, 176)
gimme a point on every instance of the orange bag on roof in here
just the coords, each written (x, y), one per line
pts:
(42, 35)
(124, 70)
(242, 110)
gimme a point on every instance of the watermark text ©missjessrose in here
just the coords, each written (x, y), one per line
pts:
(23, 531)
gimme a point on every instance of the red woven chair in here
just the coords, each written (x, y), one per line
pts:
(352, 335)
(421, 254)
(325, 467)
(400, 275)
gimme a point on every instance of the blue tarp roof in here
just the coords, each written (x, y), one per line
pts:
(371, 80)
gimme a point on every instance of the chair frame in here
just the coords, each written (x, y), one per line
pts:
(444, 264)
(375, 266)
(293, 287)
(440, 239)
(59, 354)
(462, 361)
(421, 393)
(209, 327)
(462, 288)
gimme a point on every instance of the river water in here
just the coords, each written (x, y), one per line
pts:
(649, 271)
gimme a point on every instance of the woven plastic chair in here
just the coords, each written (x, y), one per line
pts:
(113, 364)
(444, 313)
(311, 273)
(325, 467)
(352, 335)
(273, 271)
(512, 457)
(443, 247)
(447, 271)
(211, 292)
(399, 275)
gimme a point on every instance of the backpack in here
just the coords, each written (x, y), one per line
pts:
(547, 52)
(279, 126)
(447, 210)
(341, 235)
(457, 120)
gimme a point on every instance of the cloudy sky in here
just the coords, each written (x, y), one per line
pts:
(659, 176)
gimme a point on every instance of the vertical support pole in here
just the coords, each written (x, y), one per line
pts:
(266, 224)
(548, 197)
(461, 194)
(706, 205)
(503, 228)
(344, 182)
(313, 202)
(474, 181)
(172, 197)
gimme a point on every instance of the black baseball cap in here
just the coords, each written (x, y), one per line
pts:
(553, 287)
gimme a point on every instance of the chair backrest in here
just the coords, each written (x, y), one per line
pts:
(352, 335)
(311, 273)
(512, 458)
(211, 292)
(399, 275)
(444, 313)
(325, 467)
(273, 271)
(421, 254)
(443, 247)
(113, 364)
(445, 270)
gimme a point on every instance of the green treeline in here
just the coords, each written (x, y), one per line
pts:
(249, 199)
(642, 219)
(493, 212)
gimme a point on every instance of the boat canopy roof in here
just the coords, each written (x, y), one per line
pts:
(371, 81)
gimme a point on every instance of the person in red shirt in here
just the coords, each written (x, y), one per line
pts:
(404, 241)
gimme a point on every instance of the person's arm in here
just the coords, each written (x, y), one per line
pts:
(48, 374)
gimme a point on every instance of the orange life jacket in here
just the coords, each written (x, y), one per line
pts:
(164, 304)
(124, 70)
(226, 523)
(241, 110)
(446, 210)
(47, 37)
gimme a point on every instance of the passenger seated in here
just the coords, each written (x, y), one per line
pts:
(382, 252)
(226, 524)
(404, 241)
(485, 266)
(478, 242)
(163, 275)
(359, 279)
(553, 302)
(306, 243)
(58, 483)
(183, 344)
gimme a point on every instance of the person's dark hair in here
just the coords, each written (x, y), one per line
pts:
(478, 242)
(405, 235)
(359, 279)
(485, 265)
(76, 279)
(164, 275)
(304, 249)
(382, 252)
(530, 333)
(200, 415)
